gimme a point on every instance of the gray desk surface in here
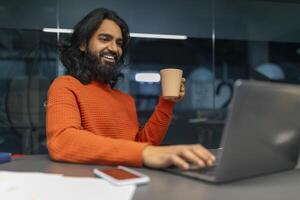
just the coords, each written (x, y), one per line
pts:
(281, 186)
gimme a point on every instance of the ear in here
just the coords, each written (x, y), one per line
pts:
(82, 46)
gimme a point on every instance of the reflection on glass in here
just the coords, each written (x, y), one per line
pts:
(28, 65)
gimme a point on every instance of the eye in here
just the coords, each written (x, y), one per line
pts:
(120, 43)
(103, 38)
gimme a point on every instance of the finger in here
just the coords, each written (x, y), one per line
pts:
(206, 151)
(192, 158)
(182, 87)
(179, 162)
(204, 154)
(183, 80)
(182, 83)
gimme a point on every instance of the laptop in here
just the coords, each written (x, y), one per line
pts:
(261, 133)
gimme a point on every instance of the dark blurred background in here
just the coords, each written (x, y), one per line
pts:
(226, 40)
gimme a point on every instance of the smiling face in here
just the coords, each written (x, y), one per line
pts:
(106, 43)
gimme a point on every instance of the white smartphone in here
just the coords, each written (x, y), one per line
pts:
(121, 175)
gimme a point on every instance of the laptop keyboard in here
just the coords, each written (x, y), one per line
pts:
(206, 171)
(209, 171)
(195, 167)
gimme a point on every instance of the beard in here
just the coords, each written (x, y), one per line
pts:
(100, 71)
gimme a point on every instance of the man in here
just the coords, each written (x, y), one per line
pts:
(88, 121)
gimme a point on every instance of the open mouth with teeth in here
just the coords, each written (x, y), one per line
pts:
(109, 58)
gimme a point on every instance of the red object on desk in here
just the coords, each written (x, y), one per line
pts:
(14, 156)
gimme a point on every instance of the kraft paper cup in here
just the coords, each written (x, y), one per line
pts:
(170, 82)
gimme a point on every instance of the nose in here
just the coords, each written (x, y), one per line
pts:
(113, 46)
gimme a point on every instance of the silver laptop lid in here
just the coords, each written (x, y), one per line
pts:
(262, 131)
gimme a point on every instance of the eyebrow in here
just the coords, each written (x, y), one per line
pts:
(110, 36)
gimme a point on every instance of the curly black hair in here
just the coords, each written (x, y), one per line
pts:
(69, 47)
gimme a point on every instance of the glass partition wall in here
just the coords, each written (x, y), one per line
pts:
(220, 41)
(28, 61)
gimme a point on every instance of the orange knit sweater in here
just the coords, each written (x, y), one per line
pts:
(96, 124)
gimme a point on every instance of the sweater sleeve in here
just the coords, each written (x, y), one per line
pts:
(157, 126)
(68, 141)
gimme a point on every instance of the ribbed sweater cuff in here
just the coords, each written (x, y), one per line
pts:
(165, 104)
(136, 151)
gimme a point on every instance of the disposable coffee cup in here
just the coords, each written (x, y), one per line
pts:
(170, 82)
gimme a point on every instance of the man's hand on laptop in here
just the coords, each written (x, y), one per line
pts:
(181, 156)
